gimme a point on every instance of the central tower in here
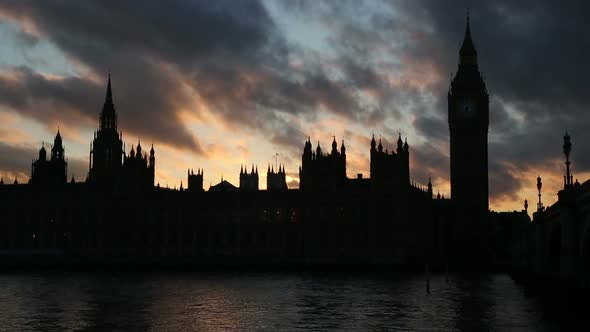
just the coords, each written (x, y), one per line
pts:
(468, 111)
(106, 151)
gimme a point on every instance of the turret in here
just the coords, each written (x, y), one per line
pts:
(400, 144)
(334, 146)
(567, 148)
(152, 157)
(249, 181)
(342, 148)
(373, 143)
(276, 181)
(138, 153)
(539, 186)
(318, 150)
(57, 151)
(380, 147)
(42, 153)
(195, 181)
(307, 153)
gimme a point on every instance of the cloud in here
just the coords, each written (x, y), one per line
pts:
(16, 160)
(148, 54)
(374, 65)
(228, 54)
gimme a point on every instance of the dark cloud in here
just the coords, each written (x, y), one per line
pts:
(503, 184)
(433, 161)
(16, 160)
(39, 97)
(234, 56)
(530, 52)
(136, 42)
(230, 53)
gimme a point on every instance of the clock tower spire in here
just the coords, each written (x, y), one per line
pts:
(468, 116)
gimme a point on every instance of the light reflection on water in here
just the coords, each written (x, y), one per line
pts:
(265, 301)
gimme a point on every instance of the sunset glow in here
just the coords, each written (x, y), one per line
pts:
(214, 87)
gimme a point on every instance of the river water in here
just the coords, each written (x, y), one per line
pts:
(268, 302)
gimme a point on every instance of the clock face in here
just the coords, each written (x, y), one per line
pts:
(466, 107)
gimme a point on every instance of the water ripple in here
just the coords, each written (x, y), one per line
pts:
(267, 302)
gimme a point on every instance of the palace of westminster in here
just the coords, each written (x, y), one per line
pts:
(118, 214)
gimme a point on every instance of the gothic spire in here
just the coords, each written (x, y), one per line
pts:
(57, 142)
(467, 54)
(138, 149)
(334, 146)
(109, 96)
(108, 116)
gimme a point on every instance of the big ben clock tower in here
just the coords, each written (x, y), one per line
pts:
(468, 110)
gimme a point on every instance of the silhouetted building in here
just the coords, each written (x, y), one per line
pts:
(223, 186)
(276, 181)
(468, 116)
(138, 168)
(249, 181)
(54, 170)
(468, 110)
(321, 171)
(387, 218)
(389, 170)
(555, 246)
(195, 181)
(109, 166)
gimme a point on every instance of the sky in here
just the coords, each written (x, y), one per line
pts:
(220, 84)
